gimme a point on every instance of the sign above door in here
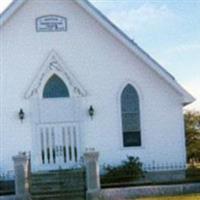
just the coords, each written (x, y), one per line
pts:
(51, 23)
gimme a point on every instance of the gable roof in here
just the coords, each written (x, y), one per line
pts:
(118, 34)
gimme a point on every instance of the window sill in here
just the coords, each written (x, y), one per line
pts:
(134, 148)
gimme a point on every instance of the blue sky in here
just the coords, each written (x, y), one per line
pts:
(169, 30)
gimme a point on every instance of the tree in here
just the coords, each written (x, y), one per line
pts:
(192, 128)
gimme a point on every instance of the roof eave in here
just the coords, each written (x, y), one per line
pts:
(12, 8)
(188, 99)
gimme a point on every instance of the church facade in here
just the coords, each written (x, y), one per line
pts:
(71, 82)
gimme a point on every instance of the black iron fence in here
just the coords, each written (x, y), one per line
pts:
(191, 175)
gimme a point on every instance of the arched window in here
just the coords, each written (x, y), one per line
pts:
(130, 110)
(55, 88)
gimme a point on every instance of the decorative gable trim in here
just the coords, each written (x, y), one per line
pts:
(54, 65)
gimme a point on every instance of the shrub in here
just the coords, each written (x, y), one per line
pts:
(129, 170)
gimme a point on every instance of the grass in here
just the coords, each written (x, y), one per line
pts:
(181, 197)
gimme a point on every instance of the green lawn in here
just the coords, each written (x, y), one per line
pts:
(185, 197)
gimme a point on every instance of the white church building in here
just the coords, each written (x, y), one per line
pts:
(71, 81)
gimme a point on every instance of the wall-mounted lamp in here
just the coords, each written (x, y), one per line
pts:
(21, 114)
(91, 111)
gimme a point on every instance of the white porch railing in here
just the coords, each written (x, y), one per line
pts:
(58, 145)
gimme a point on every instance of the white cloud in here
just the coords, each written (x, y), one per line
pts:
(141, 18)
(103, 4)
(4, 4)
(184, 48)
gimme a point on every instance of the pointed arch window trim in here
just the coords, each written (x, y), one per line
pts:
(60, 68)
(130, 117)
(55, 87)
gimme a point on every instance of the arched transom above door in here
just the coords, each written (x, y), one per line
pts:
(54, 73)
(55, 87)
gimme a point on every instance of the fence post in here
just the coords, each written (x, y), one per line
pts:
(21, 167)
(92, 175)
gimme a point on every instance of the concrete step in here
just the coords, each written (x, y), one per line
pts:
(57, 172)
(61, 181)
(56, 189)
(62, 184)
(57, 197)
(66, 177)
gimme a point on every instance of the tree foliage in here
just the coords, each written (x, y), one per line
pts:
(192, 127)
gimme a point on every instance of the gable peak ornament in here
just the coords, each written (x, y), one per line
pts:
(55, 65)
